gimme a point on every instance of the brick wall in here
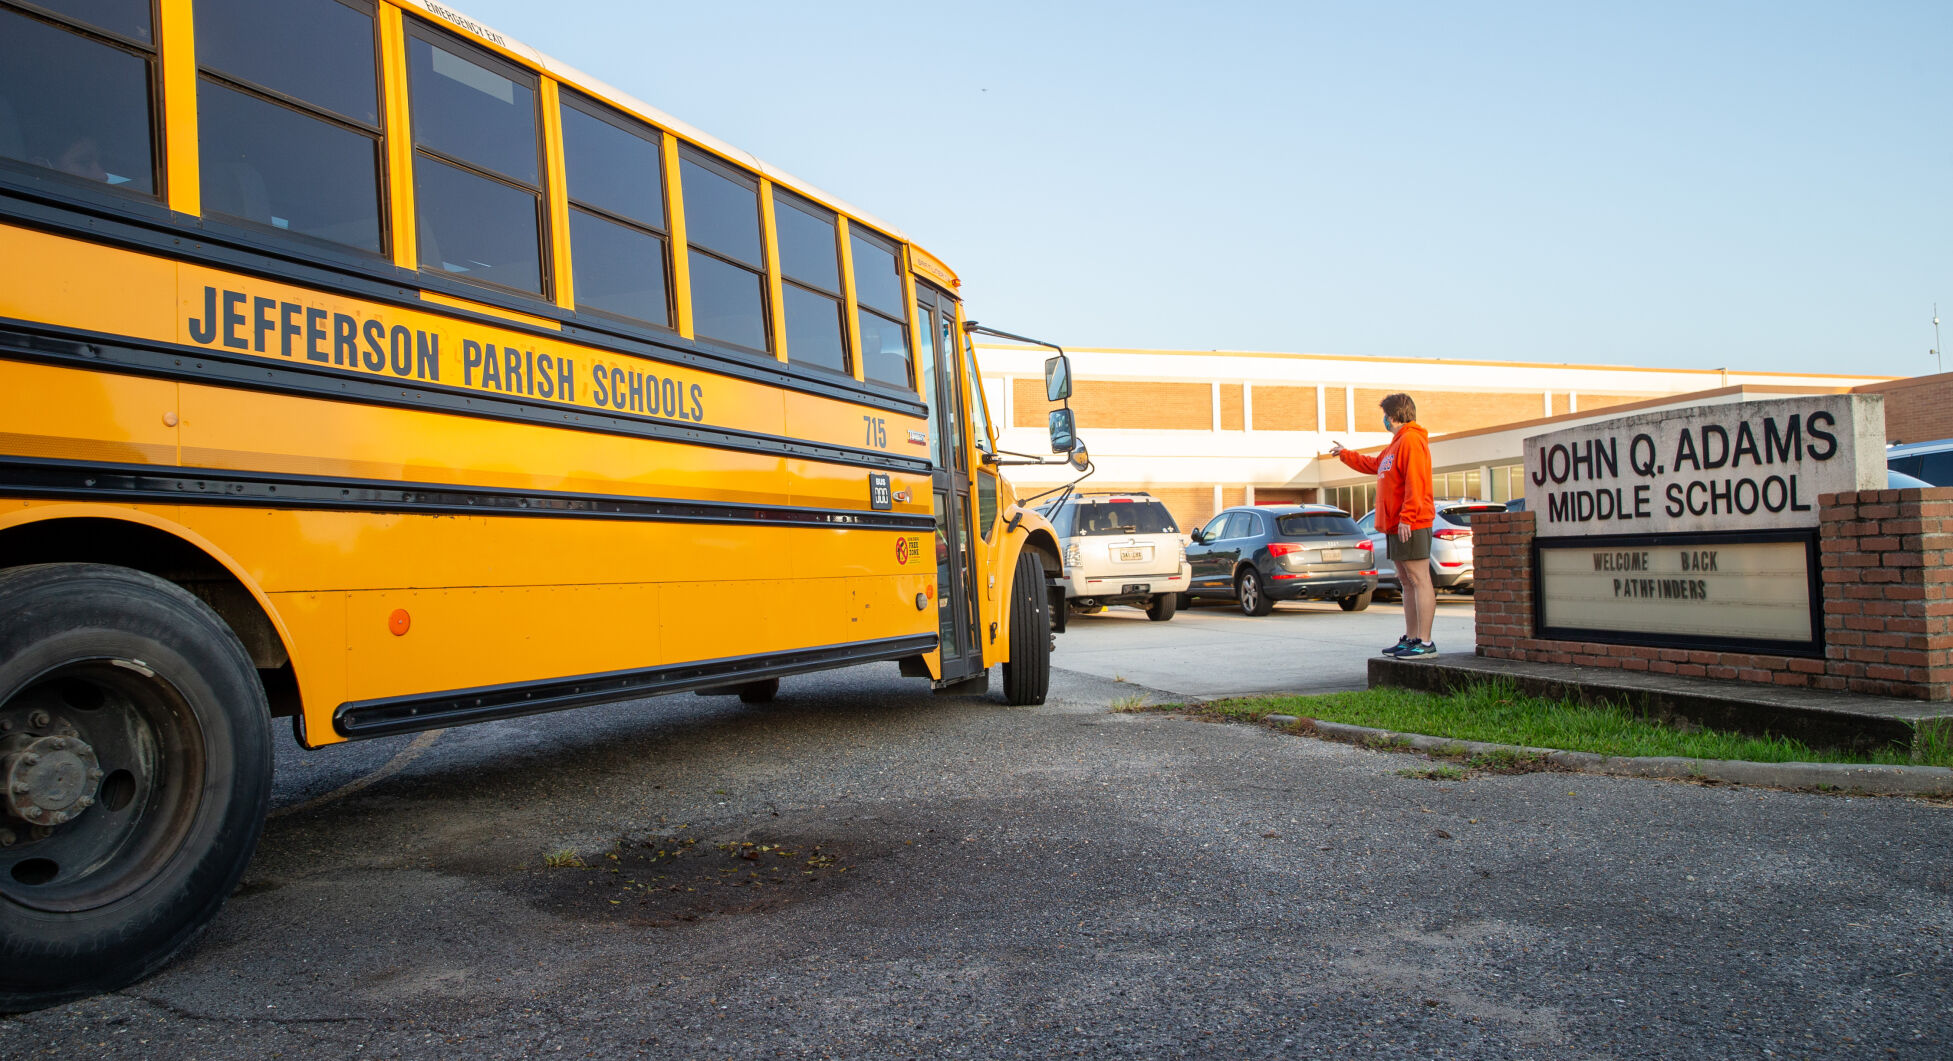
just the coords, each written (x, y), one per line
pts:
(1285, 408)
(1590, 402)
(1884, 559)
(1123, 404)
(1442, 412)
(1231, 404)
(1918, 409)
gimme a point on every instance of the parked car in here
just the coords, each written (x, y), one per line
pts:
(1119, 548)
(1931, 461)
(1451, 545)
(1260, 554)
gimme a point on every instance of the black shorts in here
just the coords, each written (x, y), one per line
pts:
(1418, 548)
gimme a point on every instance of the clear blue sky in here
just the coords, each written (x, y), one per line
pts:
(1762, 185)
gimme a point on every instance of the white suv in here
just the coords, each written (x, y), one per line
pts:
(1120, 549)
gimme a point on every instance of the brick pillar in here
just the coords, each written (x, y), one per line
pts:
(1502, 562)
(1888, 592)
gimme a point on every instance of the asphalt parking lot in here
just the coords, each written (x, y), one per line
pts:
(864, 870)
(1213, 650)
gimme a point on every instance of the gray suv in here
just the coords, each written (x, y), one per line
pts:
(1451, 545)
(1260, 554)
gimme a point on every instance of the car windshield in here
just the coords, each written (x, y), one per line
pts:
(1462, 514)
(1317, 525)
(1121, 517)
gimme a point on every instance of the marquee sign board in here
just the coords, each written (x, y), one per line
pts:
(1697, 527)
(1703, 591)
(1741, 466)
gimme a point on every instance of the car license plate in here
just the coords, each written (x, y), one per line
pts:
(1132, 555)
(1332, 556)
(1139, 588)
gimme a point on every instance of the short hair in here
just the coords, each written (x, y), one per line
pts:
(1399, 407)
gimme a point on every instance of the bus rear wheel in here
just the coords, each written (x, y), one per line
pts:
(1027, 674)
(135, 768)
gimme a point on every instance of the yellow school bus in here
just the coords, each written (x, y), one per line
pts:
(363, 367)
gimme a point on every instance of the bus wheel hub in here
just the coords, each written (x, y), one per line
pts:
(47, 780)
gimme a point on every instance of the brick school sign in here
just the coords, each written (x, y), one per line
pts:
(1696, 527)
(1829, 581)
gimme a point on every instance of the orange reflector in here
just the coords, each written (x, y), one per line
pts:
(399, 621)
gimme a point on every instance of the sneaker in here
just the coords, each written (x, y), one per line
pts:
(1401, 644)
(1416, 649)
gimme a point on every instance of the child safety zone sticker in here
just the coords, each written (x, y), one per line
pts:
(905, 548)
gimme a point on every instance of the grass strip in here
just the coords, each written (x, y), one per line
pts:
(1497, 713)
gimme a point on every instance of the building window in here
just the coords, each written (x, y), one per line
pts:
(810, 270)
(477, 169)
(614, 168)
(76, 95)
(726, 254)
(288, 118)
(880, 310)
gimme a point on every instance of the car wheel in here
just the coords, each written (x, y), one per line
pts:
(1356, 602)
(137, 757)
(1249, 592)
(1163, 607)
(1027, 674)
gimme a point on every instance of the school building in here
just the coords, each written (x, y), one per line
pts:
(1203, 430)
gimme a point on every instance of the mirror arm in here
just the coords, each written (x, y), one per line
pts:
(974, 328)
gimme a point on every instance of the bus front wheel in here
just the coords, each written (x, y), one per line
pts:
(135, 767)
(1027, 675)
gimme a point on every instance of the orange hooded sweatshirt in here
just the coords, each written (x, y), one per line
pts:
(1403, 472)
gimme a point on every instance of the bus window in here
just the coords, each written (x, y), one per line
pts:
(979, 406)
(476, 186)
(76, 105)
(810, 266)
(306, 159)
(615, 173)
(878, 294)
(728, 265)
(925, 356)
(124, 18)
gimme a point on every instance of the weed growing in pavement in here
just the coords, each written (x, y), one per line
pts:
(1932, 743)
(1445, 772)
(564, 859)
(1127, 705)
(1507, 761)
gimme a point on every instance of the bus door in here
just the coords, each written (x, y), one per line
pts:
(937, 357)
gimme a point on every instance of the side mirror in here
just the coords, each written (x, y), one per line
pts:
(1064, 431)
(1057, 378)
(1078, 457)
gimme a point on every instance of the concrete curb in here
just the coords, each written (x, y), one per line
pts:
(1847, 777)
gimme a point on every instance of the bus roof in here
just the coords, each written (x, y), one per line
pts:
(583, 82)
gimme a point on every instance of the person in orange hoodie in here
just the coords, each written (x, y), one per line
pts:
(1404, 514)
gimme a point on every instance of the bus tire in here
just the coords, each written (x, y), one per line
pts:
(129, 682)
(1027, 674)
(1163, 607)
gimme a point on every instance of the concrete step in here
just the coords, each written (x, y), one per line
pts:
(1816, 717)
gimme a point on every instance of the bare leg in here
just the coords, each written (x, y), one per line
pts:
(1420, 598)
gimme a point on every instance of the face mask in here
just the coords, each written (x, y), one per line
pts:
(1388, 428)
